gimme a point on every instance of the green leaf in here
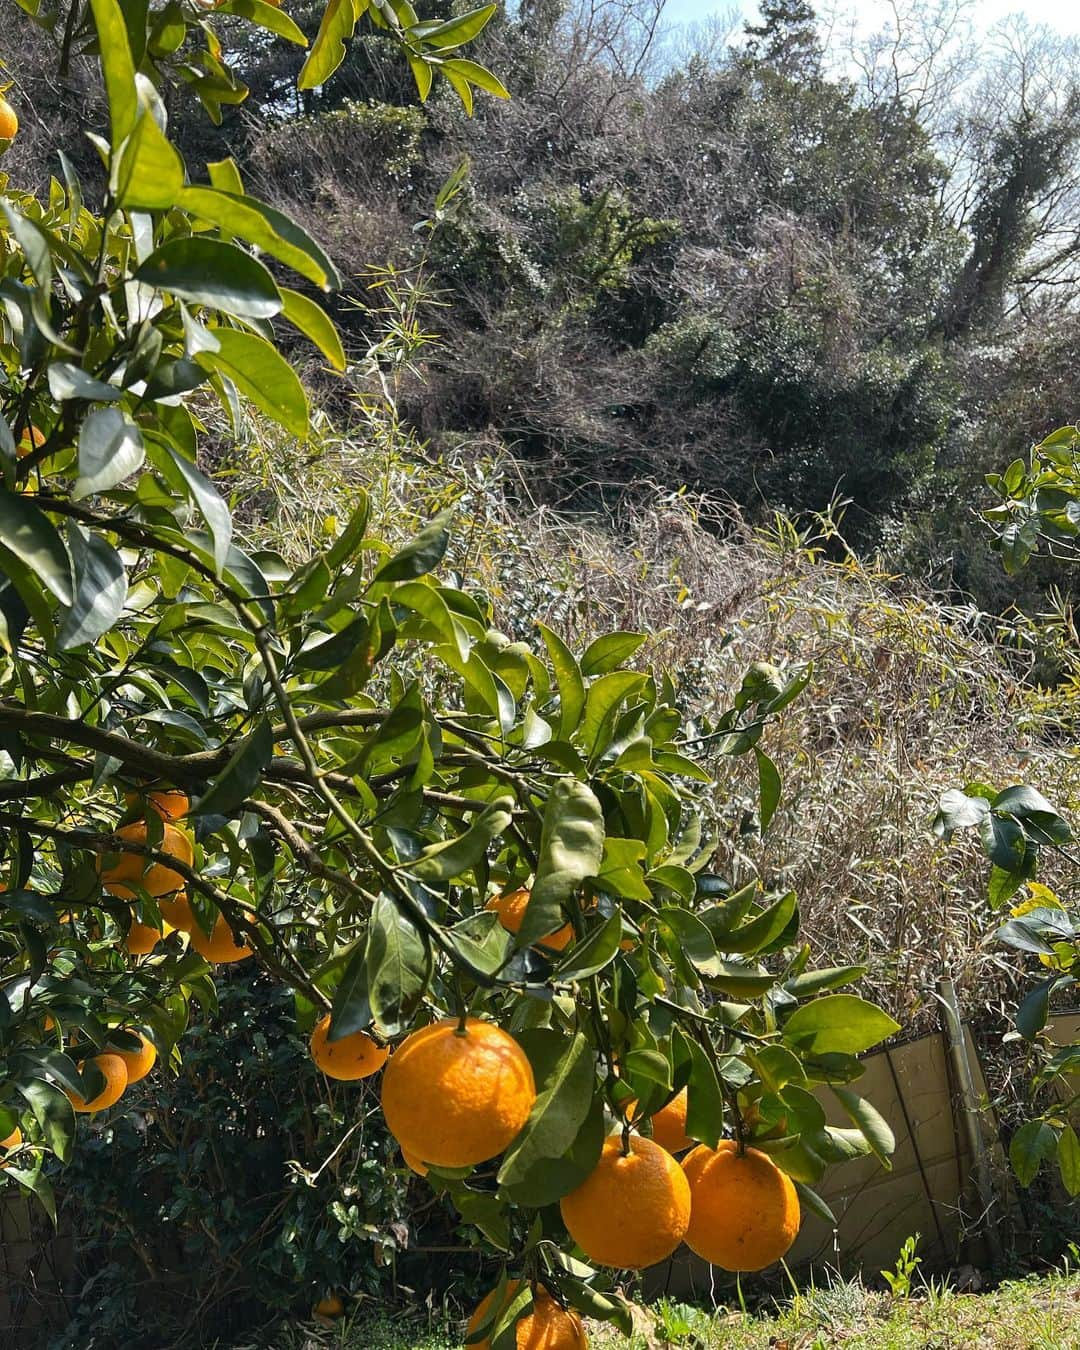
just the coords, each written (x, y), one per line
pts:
(267, 228)
(873, 1126)
(117, 67)
(398, 967)
(761, 932)
(53, 1112)
(1068, 1157)
(315, 324)
(351, 1008)
(453, 857)
(602, 701)
(101, 587)
(338, 24)
(594, 952)
(1004, 842)
(817, 981)
(768, 788)
(211, 273)
(149, 175)
(1034, 1009)
(420, 555)
(34, 1180)
(211, 507)
(704, 1098)
(1032, 1142)
(610, 651)
(455, 32)
(462, 70)
(267, 16)
(565, 1094)
(110, 449)
(568, 679)
(240, 776)
(571, 849)
(26, 533)
(259, 371)
(837, 1024)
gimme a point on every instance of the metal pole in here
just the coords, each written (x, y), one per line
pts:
(972, 1117)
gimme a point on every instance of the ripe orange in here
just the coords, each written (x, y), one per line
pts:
(668, 1124)
(631, 1210)
(545, 1327)
(32, 438)
(138, 1063)
(13, 1140)
(169, 803)
(511, 909)
(9, 123)
(141, 938)
(115, 1071)
(455, 1098)
(414, 1164)
(220, 948)
(154, 877)
(330, 1306)
(349, 1059)
(177, 912)
(744, 1210)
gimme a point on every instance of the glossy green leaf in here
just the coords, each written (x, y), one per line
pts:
(838, 1024)
(211, 273)
(609, 651)
(565, 1093)
(27, 533)
(873, 1126)
(149, 175)
(259, 371)
(265, 227)
(117, 66)
(315, 324)
(571, 849)
(240, 776)
(420, 555)
(101, 587)
(110, 450)
(53, 1113)
(398, 967)
(1032, 1143)
(337, 25)
(568, 679)
(454, 857)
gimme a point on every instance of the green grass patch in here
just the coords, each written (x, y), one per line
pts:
(1037, 1313)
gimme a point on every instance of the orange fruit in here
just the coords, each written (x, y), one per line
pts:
(177, 912)
(668, 1124)
(154, 877)
(414, 1164)
(744, 1211)
(330, 1306)
(9, 123)
(220, 948)
(455, 1098)
(633, 1209)
(141, 938)
(32, 438)
(348, 1059)
(138, 1063)
(115, 1071)
(545, 1327)
(511, 909)
(13, 1140)
(169, 803)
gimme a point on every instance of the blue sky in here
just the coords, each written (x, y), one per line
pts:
(1063, 15)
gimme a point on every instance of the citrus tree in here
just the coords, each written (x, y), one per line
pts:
(1038, 509)
(483, 865)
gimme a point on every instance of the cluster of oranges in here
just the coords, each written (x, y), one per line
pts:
(731, 1205)
(165, 884)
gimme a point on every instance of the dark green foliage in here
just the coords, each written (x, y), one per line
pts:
(214, 1204)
